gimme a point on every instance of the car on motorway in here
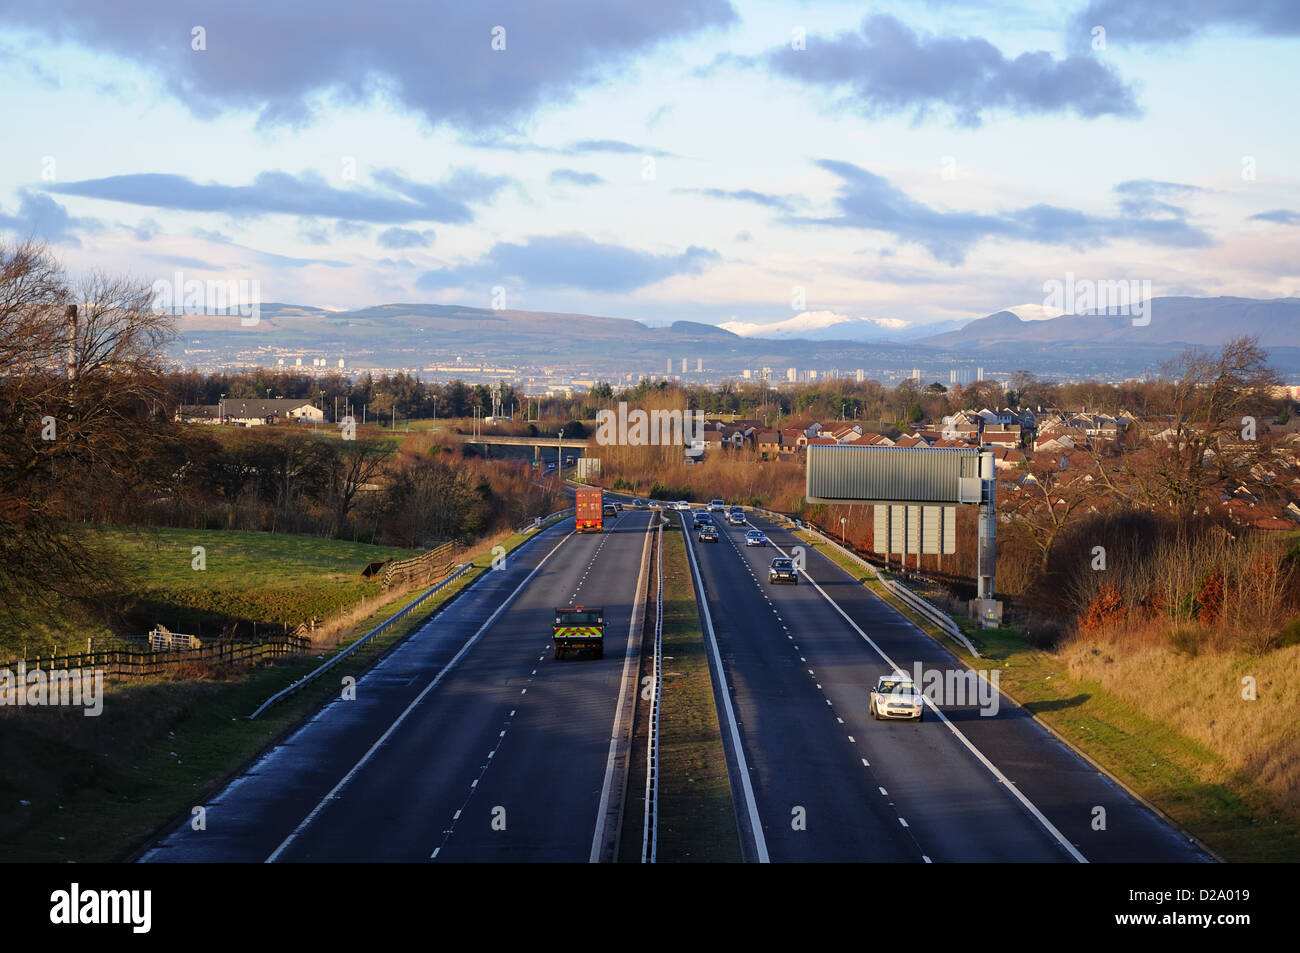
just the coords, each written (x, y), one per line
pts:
(755, 537)
(782, 570)
(736, 517)
(702, 518)
(717, 506)
(681, 505)
(609, 510)
(618, 506)
(708, 533)
(640, 504)
(896, 696)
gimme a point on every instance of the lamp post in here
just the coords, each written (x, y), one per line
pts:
(221, 410)
(843, 521)
(559, 448)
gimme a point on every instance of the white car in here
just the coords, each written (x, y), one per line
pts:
(755, 537)
(717, 506)
(681, 505)
(896, 696)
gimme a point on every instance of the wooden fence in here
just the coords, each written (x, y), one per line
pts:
(424, 569)
(128, 663)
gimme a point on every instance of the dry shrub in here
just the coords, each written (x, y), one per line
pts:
(1106, 612)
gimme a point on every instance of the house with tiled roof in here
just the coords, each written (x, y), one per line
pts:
(843, 433)
(1053, 441)
(1008, 436)
(963, 425)
(1005, 459)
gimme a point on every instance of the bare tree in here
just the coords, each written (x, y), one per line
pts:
(78, 396)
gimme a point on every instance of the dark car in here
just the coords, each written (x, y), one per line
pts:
(782, 570)
(708, 533)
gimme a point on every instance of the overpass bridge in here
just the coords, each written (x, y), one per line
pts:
(571, 443)
(540, 444)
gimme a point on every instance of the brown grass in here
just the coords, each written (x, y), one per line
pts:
(1201, 698)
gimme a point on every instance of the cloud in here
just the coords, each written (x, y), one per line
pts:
(782, 203)
(868, 201)
(581, 147)
(39, 216)
(1158, 22)
(145, 230)
(313, 232)
(406, 238)
(282, 59)
(1143, 196)
(1279, 216)
(309, 195)
(887, 68)
(574, 177)
(266, 257)
(345, 229)
(570, 261)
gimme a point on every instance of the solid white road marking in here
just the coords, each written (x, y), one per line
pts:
(602, 811)
(333, 793)
(993, 769)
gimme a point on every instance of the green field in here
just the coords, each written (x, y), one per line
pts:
(94, 789)
(251, 578)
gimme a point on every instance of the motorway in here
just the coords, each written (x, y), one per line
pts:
(829, 783)
(467, 742)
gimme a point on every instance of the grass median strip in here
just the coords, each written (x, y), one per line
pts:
(1227, 811)
(697, 819)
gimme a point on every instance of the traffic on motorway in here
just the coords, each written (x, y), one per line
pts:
(451, 749)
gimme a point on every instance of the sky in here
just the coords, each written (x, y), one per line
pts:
(739, 163)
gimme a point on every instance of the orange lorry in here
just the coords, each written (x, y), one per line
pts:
(588, 510)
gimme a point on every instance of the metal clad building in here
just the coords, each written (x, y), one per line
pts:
(849, 474)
